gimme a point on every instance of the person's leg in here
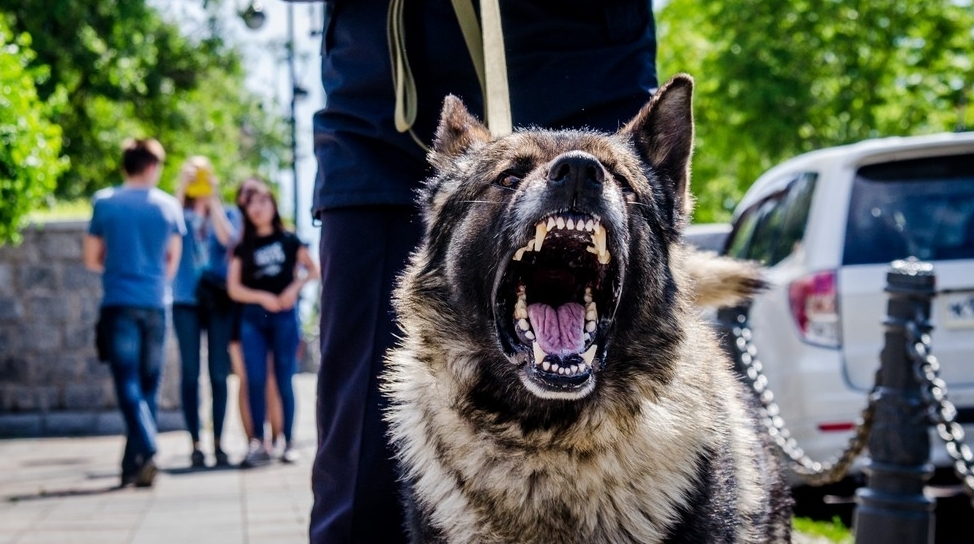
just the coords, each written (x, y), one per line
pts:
(275, 414)
(254, 342)
(125, 349)
(186, 325)
(154, 329)
(354, 477)
(285, 364)
(243, 400)
(219, 326)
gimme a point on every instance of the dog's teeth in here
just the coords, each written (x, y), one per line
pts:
(551, 223)
(598, 238)
(592, 250)
(588, 295)
(558, 369)
(530, 245)
(529, 335)
(520, 311)
(574, 369)
(586, 337)
(523, 324)
(546, 366)
(590, 225)
(560, 222)
(570, 224)
(580, 226)
(590, 326)
(591, 314)
(519, 254)
(539, 353)
(539, 233)
(589, 355)
(604, 257)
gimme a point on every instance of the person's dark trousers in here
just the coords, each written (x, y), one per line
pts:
(136, 349)
(186, 323)
(356, 497)
(219, 326)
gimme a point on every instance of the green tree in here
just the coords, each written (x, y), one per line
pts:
(776, 78)
(127, 72)
(29, 142)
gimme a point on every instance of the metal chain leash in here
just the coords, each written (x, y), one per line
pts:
(811, 472)
(940, 411)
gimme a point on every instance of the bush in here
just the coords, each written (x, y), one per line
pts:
(30, 144)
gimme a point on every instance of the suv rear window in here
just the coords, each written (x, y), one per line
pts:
(773, 228)
(918, 207)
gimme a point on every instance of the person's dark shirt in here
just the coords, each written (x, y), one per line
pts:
(267, 262)
(570, 63)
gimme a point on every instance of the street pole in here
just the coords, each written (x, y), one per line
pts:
(892, 506)
(293, 116)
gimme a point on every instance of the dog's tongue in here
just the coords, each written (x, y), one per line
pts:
(559, 332)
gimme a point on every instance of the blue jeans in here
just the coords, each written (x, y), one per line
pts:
(136, 344)
(188, 322)
(263, 332)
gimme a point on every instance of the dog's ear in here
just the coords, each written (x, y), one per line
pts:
(457, 132)
(663, 134)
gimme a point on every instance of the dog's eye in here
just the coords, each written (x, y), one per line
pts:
(623, 182)
(508, 180)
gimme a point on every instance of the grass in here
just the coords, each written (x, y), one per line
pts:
(830, 531)
(62, 211)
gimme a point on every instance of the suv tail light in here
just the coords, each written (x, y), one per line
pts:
(815, 308)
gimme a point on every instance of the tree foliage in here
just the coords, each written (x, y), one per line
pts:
(30, 143)
(127, 72)
(776, 78)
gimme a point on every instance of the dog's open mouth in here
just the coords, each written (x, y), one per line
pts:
(554, 303)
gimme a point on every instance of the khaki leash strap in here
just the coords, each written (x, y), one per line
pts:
(486, 51)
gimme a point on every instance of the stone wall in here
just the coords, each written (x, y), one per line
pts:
(49, 373)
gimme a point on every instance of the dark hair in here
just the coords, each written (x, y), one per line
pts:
(138, 154)
(250, 230)
(242, 193)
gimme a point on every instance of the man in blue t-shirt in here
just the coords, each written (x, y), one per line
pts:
(134, 240)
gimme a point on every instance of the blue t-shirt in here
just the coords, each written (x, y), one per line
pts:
(136, 225)
(220, 254)
(193, 259)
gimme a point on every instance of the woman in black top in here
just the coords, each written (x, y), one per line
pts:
(270, 266)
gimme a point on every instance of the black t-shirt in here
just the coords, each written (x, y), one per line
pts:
(268, 262)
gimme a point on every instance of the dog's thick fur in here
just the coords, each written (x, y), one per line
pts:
(646, 435)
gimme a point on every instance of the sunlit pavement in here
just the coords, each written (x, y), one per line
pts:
(66, 490)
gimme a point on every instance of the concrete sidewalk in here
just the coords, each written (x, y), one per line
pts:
(66, 490)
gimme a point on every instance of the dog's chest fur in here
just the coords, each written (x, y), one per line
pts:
(615, 476)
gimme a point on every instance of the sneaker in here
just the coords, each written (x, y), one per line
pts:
(221, 458)
(197, 460)
(146, 474)
(289, 455)
(256, 456)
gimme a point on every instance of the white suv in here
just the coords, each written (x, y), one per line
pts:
(827, 224)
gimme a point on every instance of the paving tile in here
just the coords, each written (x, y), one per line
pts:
(65, 490)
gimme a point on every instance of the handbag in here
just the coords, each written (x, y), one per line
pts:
(211, 293)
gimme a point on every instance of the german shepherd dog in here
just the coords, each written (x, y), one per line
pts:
(556, 381)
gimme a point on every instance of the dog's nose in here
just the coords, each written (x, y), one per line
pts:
(577, 171)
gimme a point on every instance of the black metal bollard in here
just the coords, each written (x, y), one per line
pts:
(892, 506)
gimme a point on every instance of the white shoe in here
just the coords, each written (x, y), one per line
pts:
(289, 455)
(257, 455)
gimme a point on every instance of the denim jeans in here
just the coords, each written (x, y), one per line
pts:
(189, 321)
(136, 343)
(263, 332)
